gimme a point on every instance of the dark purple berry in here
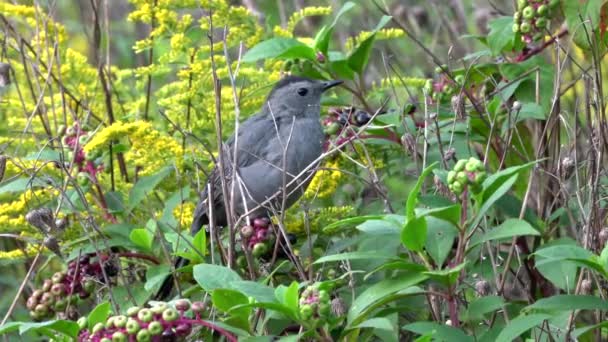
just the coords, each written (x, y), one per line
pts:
(183, 329)
(261, 222)
(168, 336)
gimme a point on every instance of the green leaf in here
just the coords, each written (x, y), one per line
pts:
(155, 275)
(324, 35)
(439, 239)
(144, 185)
(414, 234)
(211, 277)
(142, 238)
(501, 34)
(231, 302)
(520, 325)
(531, 110)
(450, 213)
(99, 315)
(259, 292)
(290, 297)
(508, 229)
(285, 48)
(376, 295)
(227, 299)
(583, 18)
(9, 327)
(482, 306)
(574, 253)
(354, 256)
(412, 197)
(21, 184)
(360, 56)
(69, 328)
(495, 186)
(562, 273)
(199, 244)
(569, 302)
(446, 276)
(439, 332)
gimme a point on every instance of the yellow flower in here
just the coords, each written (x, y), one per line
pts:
(383, 34)
(325, 182)
(30, 250)
(318, 218)
(184, 214)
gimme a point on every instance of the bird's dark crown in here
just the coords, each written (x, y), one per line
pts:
(287, 80)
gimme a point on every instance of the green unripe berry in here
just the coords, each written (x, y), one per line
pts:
(460, 165)
(332, 128)
(70, 130)
(82, 140)
(155, 328)
(82, 178)
(89, 285)
(542, 10)
(120, 321)
(459, 79)
(170, 315)
(132, 326)
(98, 327)
(110, 322)
(457, 187)
(323, 296)
(480, 177)
(553, 3)
(515, 28)
(306, 311)
(58, 277)
(521, 4)
(46, 285)
(516, 16)
(105, 339)
(143, 335)
(159, 308)
(472, 165)
(259, 249)
(132, 311)
(525, 27)
(528, 12)
(541, 22)
(324, 309)
(241, 261)
(119, 336)
(60, 305)
(82, 322)
(461, 177)
(145, 315)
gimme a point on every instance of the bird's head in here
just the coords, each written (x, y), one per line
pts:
(295, 95)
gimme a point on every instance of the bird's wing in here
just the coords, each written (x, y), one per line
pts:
(252, 135)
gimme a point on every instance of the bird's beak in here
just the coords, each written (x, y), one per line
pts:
(331, 84)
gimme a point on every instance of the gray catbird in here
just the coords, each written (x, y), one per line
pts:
(273, 147)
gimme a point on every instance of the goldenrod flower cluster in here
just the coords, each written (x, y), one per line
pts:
(325, 182)
(382, 34)
(319, 218)
(12, 213)
(150, 150)
(184, 213)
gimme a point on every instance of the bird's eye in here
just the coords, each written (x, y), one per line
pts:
(302, 91)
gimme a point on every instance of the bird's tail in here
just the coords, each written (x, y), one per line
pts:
(165, 289)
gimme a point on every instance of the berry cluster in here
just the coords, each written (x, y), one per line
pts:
(258, 236)
(442, 89)
(339, 117)
(315, 305)
(161, 322)
(88, 165)
(467, 173)
(532, 18)
(65, 288)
